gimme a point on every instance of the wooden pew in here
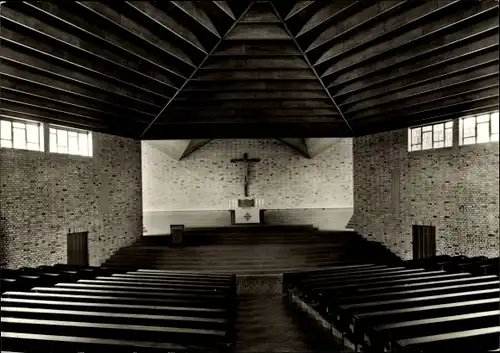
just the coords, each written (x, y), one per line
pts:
(363, 322)
(155, 282)
(343, 315)
(168, 287)
(41, 343)
(113, 317)
(110, 297)
(359, 293)
(476, 340)
(383, 337)
(71, 304)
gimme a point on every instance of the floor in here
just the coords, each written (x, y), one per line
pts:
(268, 324)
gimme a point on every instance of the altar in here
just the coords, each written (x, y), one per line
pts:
(246, 211)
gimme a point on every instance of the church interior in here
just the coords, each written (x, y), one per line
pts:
(249, 176)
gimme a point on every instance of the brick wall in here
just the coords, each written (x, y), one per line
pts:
(43, 195)
(455, 189)
(207, 180)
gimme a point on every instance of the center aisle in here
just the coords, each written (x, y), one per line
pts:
(269, 324)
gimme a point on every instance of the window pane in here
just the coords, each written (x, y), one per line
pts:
(19, 125)
(427, 140)
(6, 143)
(73, 142)
(32, 133)
(438, 144)
(483, 118)
(53, 141)
(82, 141)
(449, 137)
(19, 138)
(6, 129)
(494, 123)
(469, 127)
(62, 149)
(494, 137)
(438, 132)
(62, 138)
(416, 136)
(449, 124)
(483, 132)
(427, 128)
(416, 147)
(469, 140)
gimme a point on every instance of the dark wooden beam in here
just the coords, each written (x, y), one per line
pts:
(259, 117)
(36, 100)
(167, 23)
(471, 108)
(225, 8)
(464, 65)
(214, 112)
(430, 95)
(290, 130)
(385, 30)
(195, 71)
(197, 14)
(266, 48)
(67, 17)
(439, 82)
(239, 86)
(312, 68)
(259, 104)
(464, 47)
(445, 30)
(51, 77)
(297, 8)
(265, 95)
(57, 94)
(293, 74)
(131, 29)
(245, 63)
(258, 31)
(77, 53)
(328, 14)
(260, 13)
(435, 106)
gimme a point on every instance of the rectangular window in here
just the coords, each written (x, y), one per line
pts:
(21, 134)
(430, 136)
(70, 141)
(478, 129)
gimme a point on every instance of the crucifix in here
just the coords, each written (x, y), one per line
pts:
(247, 161)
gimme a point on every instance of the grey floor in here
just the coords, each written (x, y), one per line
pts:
(269, 324)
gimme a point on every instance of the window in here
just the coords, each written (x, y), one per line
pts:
(70, 141)
(430, 136)
(21, 134)
(478, 129)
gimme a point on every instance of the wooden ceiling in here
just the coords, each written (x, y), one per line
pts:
(241, 69)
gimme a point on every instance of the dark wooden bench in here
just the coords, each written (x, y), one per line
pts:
(159, 282)
(28, 342)
(71, 303)
(170, 287)
(363, 322)
(97, 296)
(358, 294)
(133, 332)
(344, 314)
(382, 337)
(71, 314)
(477, 340)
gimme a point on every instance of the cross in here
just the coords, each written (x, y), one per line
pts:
(247, 161)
